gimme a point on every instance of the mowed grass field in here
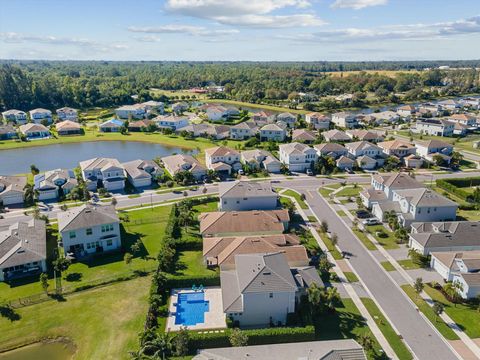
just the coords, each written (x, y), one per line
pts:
(103, 323)
(390, 73)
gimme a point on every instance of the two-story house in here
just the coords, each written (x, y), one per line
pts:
(434, 127)
(244, 130)
(430, 148)
(175, 164)
(297, 156)
(335, 136)
(397, 148)
(345, 120)
(407, 111)
(362, 148)
(127, 112)
(318, 121)
(247, 195)
(287, 118)
(222, 159)
(333, 150)
(141, 173)
(106, 172)
(263, 117)
(272, 132)
(468, 120)
(89, 229)
(365, 135)
(16, 116)
(54, 183)
(67, 113)
(40, 115)
(171, 121)
(303, 135)
(260, 159)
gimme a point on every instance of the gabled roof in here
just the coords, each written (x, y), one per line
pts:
(326, 148)
(12, 184)
(434, 143)
(136, 168)
(112, 123)
(302, 134)
(250, 189)
(32, 127)
(67, 125)
(362, 145)
(86, 216)
(335, 135)
(345, 160)
(100, 163)
(271, 127)
(396, 145)
(400, 180)
(294, 148)
(39, 110)
(221, 151)
(426, 197)
(176, 162)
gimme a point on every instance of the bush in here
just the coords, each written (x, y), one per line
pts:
(455, 186)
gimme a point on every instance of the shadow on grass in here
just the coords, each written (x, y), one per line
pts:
(9, 313)
(74, 277)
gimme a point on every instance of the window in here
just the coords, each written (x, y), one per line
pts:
(270, 295)
(109, 242)
(89, 231)
(107, 228)
(72, 235)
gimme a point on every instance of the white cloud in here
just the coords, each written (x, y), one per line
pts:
(257, 13)
(14, 37)
(357, 4)
(182, 29)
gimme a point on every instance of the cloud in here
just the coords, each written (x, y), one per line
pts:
(14, 37)
(399, 32)
(357, 4)
(257, 13)
(182, 29)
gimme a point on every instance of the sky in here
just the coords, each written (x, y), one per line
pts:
(234, 30)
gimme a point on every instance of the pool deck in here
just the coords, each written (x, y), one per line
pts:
(214, 318)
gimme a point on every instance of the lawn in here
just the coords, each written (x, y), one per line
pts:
(190, 263)
(466, 316)
(387, 265)
(408, 264)
(257, 106)
(349, 191)
(332, 249)
(351, 277)
(389, 242)
(364, 239)
(341, 213)
(471, 215)
(441, 326)
(393, 339)
(326, 190)
(103, 323)
(297, 197)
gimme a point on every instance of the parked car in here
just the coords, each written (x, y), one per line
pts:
(309, 172)
(371, 221)
(241, 172)
(363, 214)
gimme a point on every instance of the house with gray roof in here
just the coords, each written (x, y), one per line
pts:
(15, 116)
(273, 132)
(40, 115)
(297, 156)
(288, 118)
(449, 263)
(8, 132)
(34, 131)
(67, 113)
(12, 189)
(263, 289)
(106, 172)
(243, 130)
(333, 150)
(175, 164)
(458, 236)
(51, 183)
(312, 350)
(247, 195)
(260, 159)
(89, 229)
(23, 249)
(140, 173)
(335, 136)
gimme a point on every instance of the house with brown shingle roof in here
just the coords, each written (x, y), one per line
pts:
(333, 150)
(304, 136)
(68, 127)
(398, 148)
(222, 159)
(12, 189)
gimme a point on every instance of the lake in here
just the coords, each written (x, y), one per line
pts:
(49, 157)
(39, 351)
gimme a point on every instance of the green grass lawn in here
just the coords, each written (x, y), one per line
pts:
(393, 339)
(441, 326)
(191, 263)
(297, 197)
(471, 215)
(328, 243)
(351, 277)
(466, 316)
(388, 242)
(349, 191)
(341, 213)
(408, 264)
(387, 265)
(257, 106)
(364, 239)
(103, 323)
(326, 190)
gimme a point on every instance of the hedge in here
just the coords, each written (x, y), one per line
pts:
(186, 281)
(255, 337)
(455, 186)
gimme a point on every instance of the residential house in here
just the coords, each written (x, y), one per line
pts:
(386, 116)
(450, 263)
(471, 102)
(407, 111)
(263, 289)
(460, 129)
(222, 159)
(178, 163)
(445, 236)
(333, 150)
(217, 132)
(16, 116)
(12, 189)
(179, 107)
(433, 127)
(360, 148)
(366, 162)
(54, 183)
(368, 120)
(89, 229)
(237, 223)
(40, 115)
(260, 159)
(7, 132)
(430, 148)
(272, 132)
(429, 110)
(155, 106)
(140, 125)
(365, 135)
(34, 131)
(215, 112)
(112, 125)
(304, 136)
(68, 127)
(450, 105)
(243, 130)
(398, 148)
(246, 195)
(129, 112)
(344, 119)
(171, 121)
(413, 161)
(106, 172)
(221, 251)
(67, 113)
(315, 350)
(318, 121)
(263, 117)
(468, 120)
(23, 249)
(288, 118)
(297, 157)
(141, 173)
(469, 281)
(345, 163)
(335, 136)
(344, 97)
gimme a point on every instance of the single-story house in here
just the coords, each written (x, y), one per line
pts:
(12, 189)
(112, 125)
(333, 150)
(304, 136)
(247, 195)
(7, 132)
(345, 163)
(34, 131)
(141, 173)
(68, 127)
(260, 159)
(335, 136)
(178, 163)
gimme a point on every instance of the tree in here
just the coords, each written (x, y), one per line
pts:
(324, 226)
(44, 282)
(114, 202)
(438, 160)
(61, 264)
(128, 258)
(366, 341)
(159, 346)
(437, 309)
(181, 342)
(453, 290)
(324, 266)
(29, 194)
(418, 285)
(331, 298)
(34, 169)
(238, 338)
(314, 298)
(456, 159)
(334, 239)
(204, 190)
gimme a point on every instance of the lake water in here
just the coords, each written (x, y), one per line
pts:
(39, 351)
(49, 157)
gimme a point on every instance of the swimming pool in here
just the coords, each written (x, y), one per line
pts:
(191, 308)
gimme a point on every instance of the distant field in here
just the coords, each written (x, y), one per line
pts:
(179, 93)
(390, 73)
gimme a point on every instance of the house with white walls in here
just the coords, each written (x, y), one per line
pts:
(106, 172)
(297, 157)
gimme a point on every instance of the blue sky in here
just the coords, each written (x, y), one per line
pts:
(280, 30)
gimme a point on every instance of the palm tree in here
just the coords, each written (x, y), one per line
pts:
(161, 344)
(314, 297)
(453, 290)
(185, 217)
(366, 341)
(30, 194)
(331, 298)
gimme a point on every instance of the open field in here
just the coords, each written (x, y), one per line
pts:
(390, 73)
(266, 107)
(103, 323)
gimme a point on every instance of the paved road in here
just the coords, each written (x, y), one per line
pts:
(417, 332)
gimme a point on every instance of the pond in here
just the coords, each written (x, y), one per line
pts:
(49, 157)
(37, 351)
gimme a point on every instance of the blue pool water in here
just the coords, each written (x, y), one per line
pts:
(191, 308)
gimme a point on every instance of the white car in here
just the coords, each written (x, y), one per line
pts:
(371, 221)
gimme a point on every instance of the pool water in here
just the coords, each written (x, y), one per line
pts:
(191, 308)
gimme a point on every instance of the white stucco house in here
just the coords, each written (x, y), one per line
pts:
(136, 111)
(450, 263)
(141, 173)
(40, 115)
(244, 130)
(67, 113)
(272, 132)
(247, 195)
(297, 157)
(287, 118)
(106, 172)
(33, 131)
(222, 159)
(12, 189)
(428, 149)
(434, 127)
(16, 116)
(171, 121)
(333, 150)
(175, 164)
(345, 120)
(318, 121)
(51, 183)
(260, 159)
(89, 229)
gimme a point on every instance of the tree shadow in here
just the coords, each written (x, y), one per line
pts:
(74, 277)
(58, 297)
(9, 313)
